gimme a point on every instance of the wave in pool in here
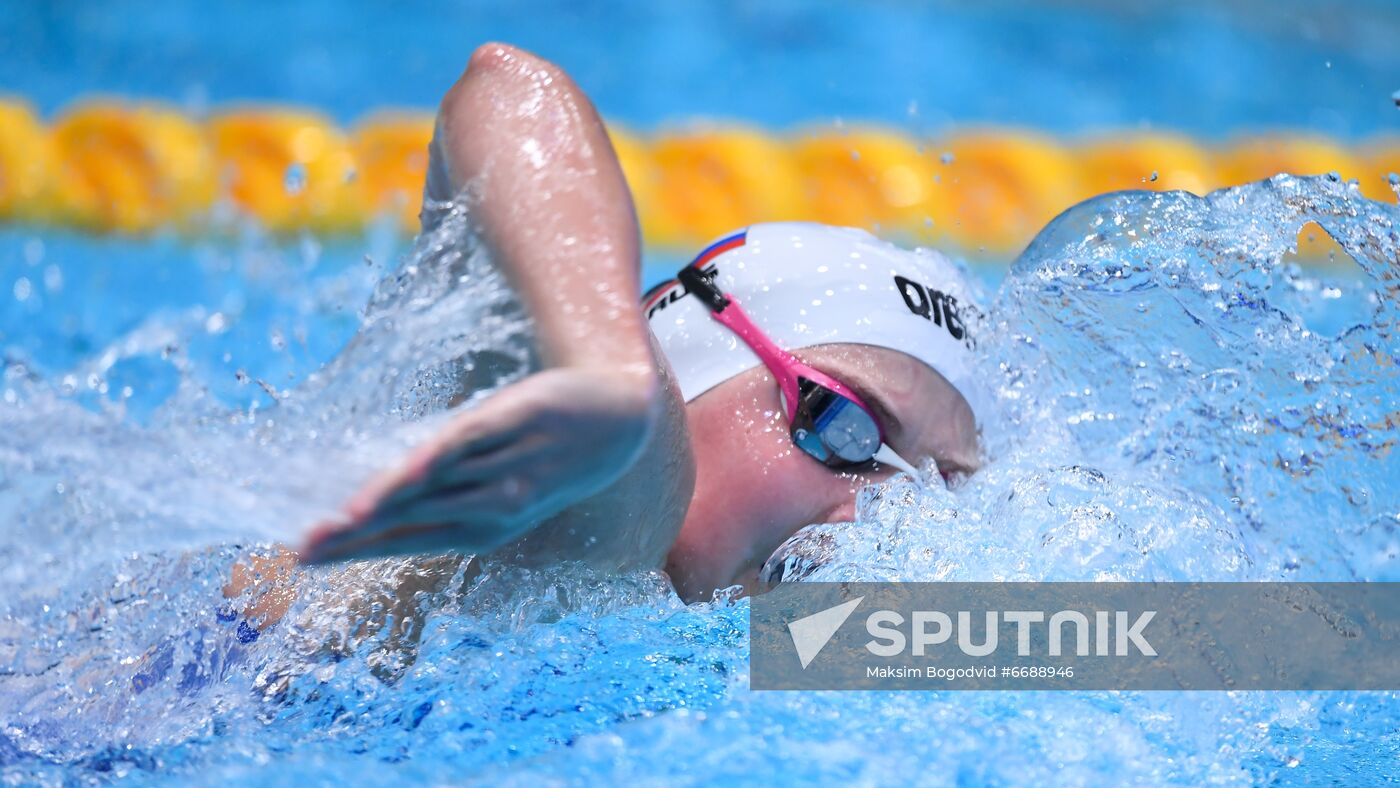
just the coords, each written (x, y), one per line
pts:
(1170, 408)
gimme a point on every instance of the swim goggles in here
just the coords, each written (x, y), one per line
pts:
(827, 421)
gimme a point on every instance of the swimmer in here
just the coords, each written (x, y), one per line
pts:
(788, 366)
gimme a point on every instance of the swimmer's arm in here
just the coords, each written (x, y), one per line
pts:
(552, 206)
(551, 203)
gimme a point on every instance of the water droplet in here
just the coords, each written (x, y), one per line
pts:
(241, 377)
(216, 323)
(946, 158)
(1153, 177)
(294, 181)
(23, 289)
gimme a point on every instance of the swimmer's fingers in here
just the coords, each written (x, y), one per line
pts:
(452, 473)
(336, 543)
(481, 432)
(547, 412)
(482, 516)
(523, 455)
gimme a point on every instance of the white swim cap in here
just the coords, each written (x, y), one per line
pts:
(808, 284)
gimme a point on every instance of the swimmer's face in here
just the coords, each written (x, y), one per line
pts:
(754, 488)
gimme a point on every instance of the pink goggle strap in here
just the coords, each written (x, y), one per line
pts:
(784, 366)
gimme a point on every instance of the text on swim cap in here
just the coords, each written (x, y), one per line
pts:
(671, 292)
(934, 305)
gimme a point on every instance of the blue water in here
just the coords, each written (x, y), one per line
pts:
(1177, 401)
(1201, 67)
(1245, 436)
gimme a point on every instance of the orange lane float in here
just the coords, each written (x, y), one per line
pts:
(390, 160)
(708, 183)
(117, 166)
(868, 178)
(998, 187)
(289, 169)
(128, 169)
(1159, 162)
(26, 160)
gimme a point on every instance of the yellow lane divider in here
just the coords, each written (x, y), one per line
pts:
(26, 161)
(126, 169)
(131, 168)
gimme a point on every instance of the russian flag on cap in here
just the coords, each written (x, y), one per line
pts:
(720, 247)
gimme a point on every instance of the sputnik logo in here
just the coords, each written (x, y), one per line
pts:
(810, 634)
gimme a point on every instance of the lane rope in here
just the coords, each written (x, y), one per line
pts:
(130, 167)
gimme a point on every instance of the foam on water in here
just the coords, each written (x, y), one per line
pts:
(1165, 413)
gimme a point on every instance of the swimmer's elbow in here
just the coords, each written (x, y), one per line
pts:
(493, 65)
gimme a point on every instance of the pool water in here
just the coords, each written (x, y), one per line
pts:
(1175, 402)
(1202, 68)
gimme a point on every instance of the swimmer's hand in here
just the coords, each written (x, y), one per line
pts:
(497, 470)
